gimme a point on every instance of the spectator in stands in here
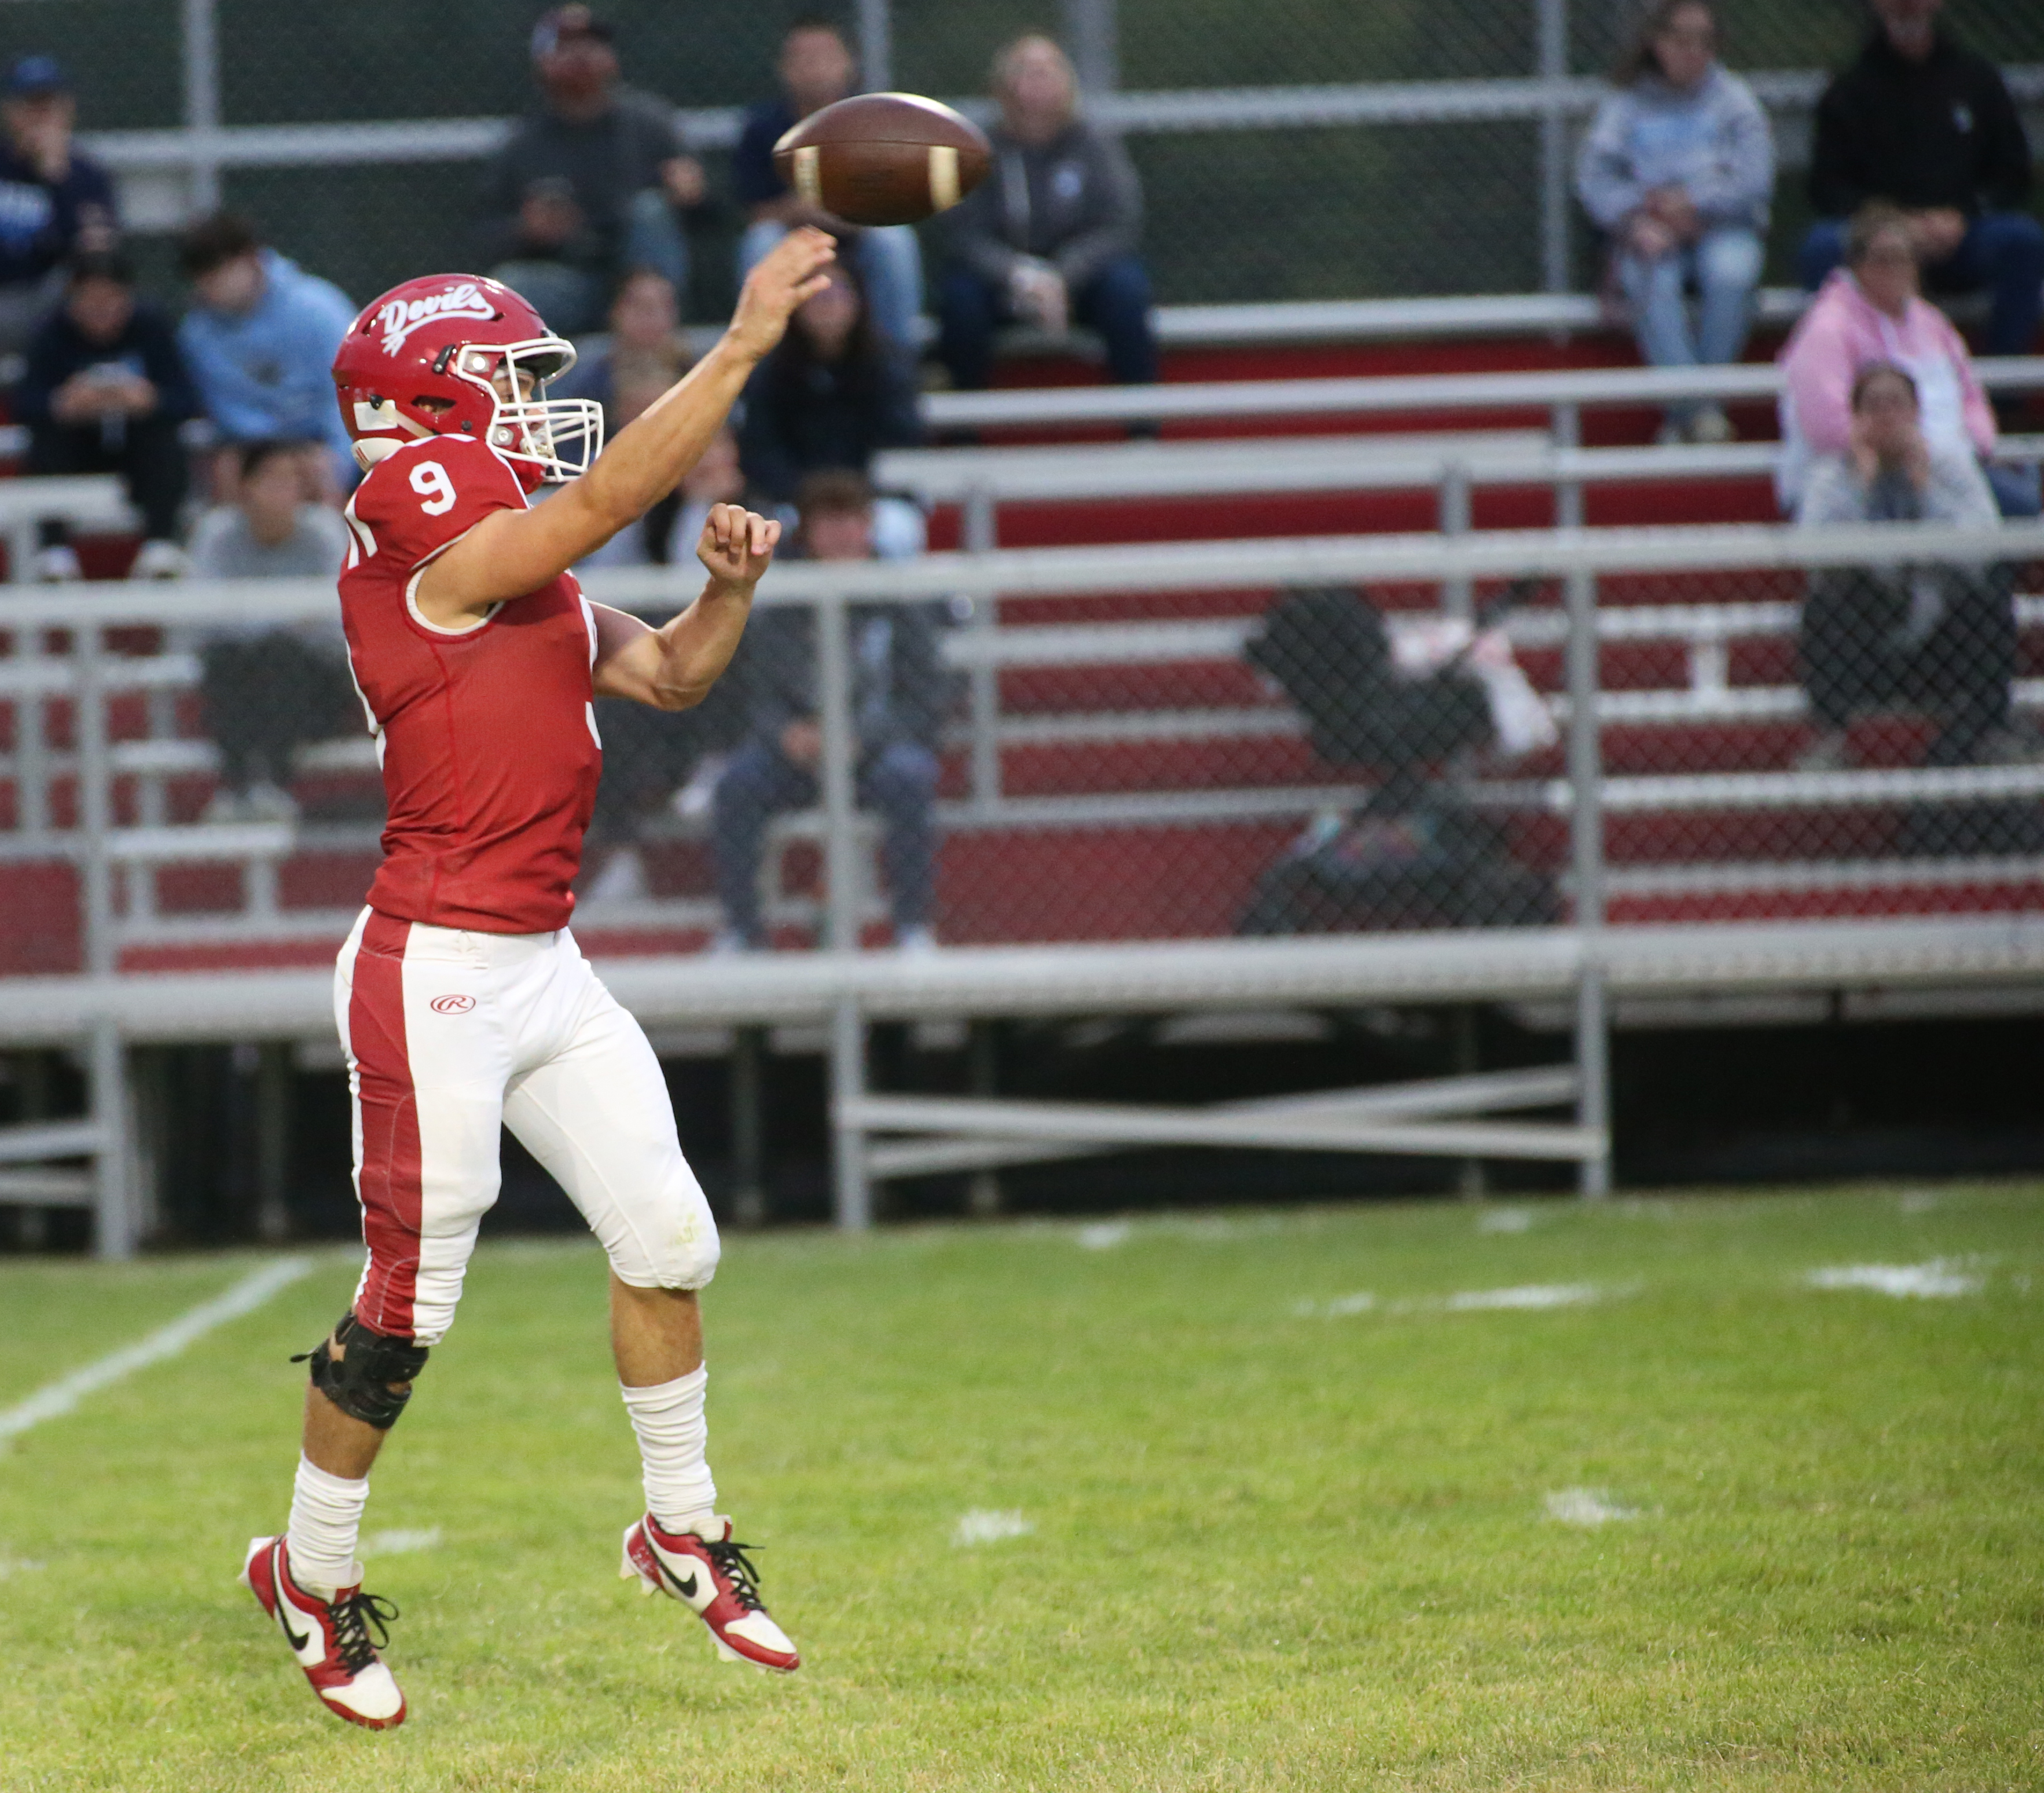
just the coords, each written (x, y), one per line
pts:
(269, 690)
(595, 182)
(1678, 169)
(104, 391)
(1050, 235)
(260, 340)
(830, 396)
(1942, 638)
(1928, 125)
(816, 70)
(625, 370)
(1871, 310)
(653, 757)
(898, 701)
(54, 202)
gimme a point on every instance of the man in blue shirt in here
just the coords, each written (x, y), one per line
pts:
(260, 341)
(54, 203)
(816, 70)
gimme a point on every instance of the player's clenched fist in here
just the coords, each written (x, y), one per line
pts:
(737, 544)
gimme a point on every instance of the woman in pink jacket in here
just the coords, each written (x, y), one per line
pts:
(1873, 309)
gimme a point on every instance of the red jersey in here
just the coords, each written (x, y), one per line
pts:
(486, 734)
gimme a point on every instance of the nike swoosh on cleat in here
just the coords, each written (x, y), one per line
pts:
(686, 1589)
(296, 1640)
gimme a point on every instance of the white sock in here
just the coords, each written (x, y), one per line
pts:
(673, 1435)
(326, 1520)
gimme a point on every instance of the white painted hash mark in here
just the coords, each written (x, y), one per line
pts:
(1102, 1235)
(398, 1540)
(1531, 1294)
(1361, 1302)
(63, 1394)
(17, 1565)
(1921, 1280)
(1586, 1506)
(1506, 1220)
(984, 1525)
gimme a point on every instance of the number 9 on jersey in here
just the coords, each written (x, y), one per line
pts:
(435, 490)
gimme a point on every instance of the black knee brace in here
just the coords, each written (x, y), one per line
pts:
(358, 1380)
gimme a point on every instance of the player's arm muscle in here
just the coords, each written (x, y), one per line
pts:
(511, 552)
(673, 668)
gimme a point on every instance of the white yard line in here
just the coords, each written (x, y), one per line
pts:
(63, 1394)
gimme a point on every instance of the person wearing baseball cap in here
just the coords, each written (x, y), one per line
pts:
(592, 185)
(54, 202)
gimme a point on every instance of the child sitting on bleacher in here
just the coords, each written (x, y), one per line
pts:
(268, 690)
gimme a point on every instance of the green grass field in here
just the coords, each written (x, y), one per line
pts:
(1297, 1517)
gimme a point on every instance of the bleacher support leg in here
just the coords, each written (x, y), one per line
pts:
(748, 1155)
(841, 755)
(1586, 843)
(983, 701)
(851, 1190)
(982, 1198)
(273, 1141)
(1471, 1184)
(1593, 1066)
(114, 1234)
(1551, 33)
(1458, 595)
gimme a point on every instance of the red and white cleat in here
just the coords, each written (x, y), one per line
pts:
(715, 1580)
(330, 1638)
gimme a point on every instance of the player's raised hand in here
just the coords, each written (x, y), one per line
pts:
(789, 273)
(737, 545)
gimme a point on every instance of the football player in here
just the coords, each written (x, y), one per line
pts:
(463, 1001)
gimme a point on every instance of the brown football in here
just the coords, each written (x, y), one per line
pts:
(883, 158)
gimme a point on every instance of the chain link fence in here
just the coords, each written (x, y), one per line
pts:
(1397, 149)
(1150, 763)
(1645, 733)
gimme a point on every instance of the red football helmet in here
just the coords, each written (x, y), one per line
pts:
(456, 354)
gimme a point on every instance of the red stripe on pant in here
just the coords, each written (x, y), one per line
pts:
(390, 1186)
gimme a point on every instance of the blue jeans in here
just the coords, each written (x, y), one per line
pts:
(2018, 493)
(1723, 265)
(890, 268)
(2001, 252)
(1116, 303)
(573, 300)
(900, 781)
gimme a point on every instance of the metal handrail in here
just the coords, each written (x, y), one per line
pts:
(1254, 563)
(1381, 395)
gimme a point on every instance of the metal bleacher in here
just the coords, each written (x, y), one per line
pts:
(108, 769)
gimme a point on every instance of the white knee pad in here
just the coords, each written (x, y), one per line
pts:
(672, 1244)
(691, 1264)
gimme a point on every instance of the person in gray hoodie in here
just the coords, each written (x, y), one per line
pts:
(1050, 236)
(1678, 170)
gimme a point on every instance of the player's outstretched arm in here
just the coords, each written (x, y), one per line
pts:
(511, 552)
(673, 668)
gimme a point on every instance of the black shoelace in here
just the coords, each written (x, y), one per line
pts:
(352, 1619)
(735, 1566)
